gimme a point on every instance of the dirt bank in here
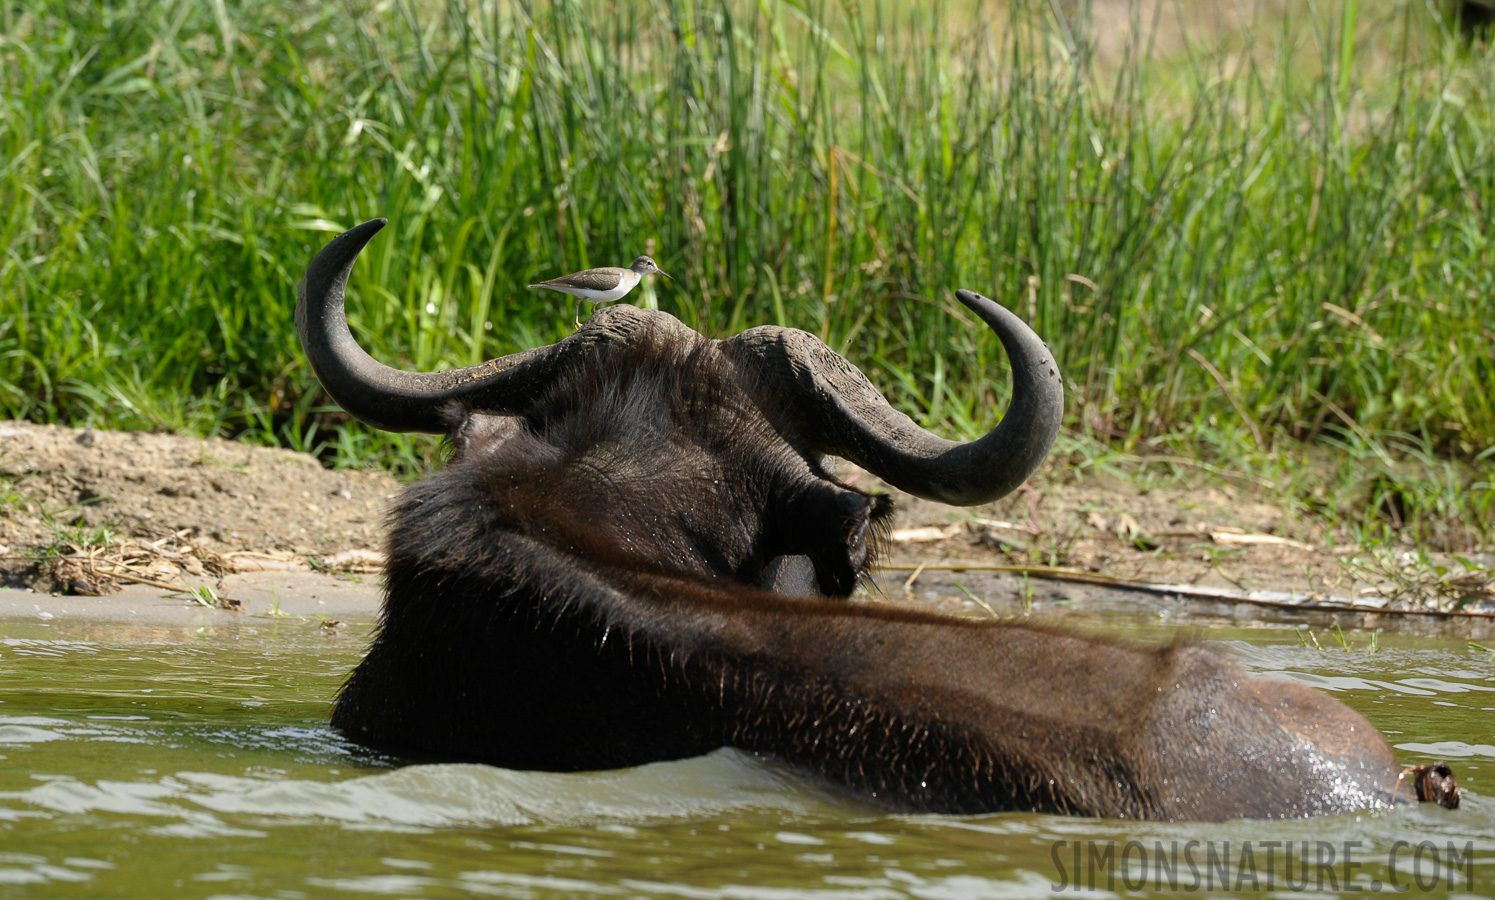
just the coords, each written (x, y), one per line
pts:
(163, 505)
(66, 491)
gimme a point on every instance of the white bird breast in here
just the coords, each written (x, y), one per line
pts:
(625, 284)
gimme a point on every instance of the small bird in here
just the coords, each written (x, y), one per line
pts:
(603, 285)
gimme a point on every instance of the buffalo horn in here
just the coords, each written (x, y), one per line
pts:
(396, 400)
(819, 401)
(825, 404)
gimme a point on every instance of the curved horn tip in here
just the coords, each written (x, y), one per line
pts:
(363, 233)
(330, 267)
(1001, 318)
(979, 303)
(354, 239)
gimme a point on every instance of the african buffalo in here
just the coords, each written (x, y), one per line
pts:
(638, 553)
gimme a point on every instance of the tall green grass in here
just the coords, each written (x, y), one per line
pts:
(1281, 235)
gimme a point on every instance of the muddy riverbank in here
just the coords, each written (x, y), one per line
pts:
(85, 511)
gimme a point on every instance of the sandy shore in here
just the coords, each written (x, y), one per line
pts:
(311, 596)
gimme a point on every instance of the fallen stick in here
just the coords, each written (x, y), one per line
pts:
(1275, 599)
(148, 582)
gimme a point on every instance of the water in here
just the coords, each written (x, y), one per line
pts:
(196, 762)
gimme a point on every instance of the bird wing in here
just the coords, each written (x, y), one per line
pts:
(604, 279)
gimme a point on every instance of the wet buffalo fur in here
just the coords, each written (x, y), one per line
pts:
(575, 591)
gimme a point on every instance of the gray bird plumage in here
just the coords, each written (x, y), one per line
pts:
(604, 284)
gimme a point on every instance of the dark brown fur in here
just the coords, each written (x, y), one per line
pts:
(575, 591)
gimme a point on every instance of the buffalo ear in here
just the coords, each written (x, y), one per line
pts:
(860, 516)
(837, 529)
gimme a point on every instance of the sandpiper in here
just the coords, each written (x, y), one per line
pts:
(605, 284)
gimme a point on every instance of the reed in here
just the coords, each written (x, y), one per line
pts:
(1278, 233)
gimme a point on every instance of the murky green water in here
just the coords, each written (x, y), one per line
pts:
(196, 762)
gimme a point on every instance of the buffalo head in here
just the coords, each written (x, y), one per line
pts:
(637, 553)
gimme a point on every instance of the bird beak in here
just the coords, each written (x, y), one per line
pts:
(659, 271)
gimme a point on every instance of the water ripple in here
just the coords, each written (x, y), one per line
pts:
(436, 796)
(1450, 750)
